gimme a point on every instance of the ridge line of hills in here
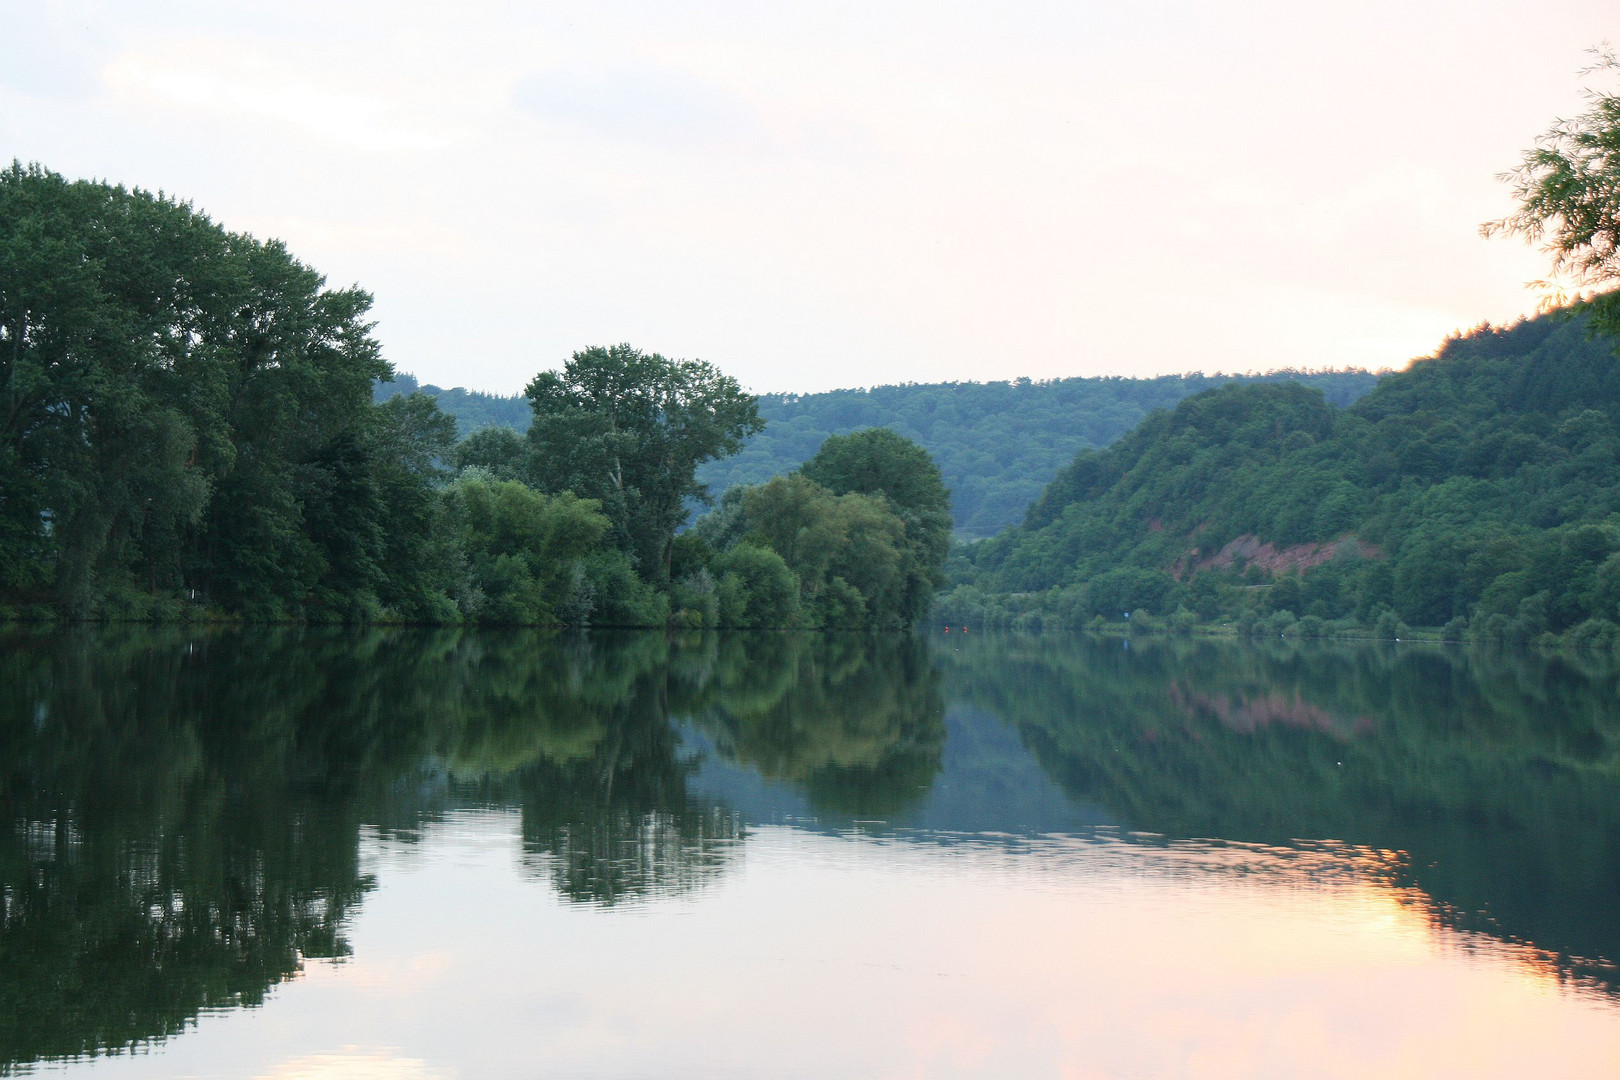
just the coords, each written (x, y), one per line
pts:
(997, 443)
(1477, 491)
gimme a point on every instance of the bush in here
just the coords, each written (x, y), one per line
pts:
(757, 590)
(621, 597)
(1593, 635)
(695, 598)
(840, 606)
(1276, 624)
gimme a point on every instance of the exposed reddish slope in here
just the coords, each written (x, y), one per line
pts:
(1266, 555)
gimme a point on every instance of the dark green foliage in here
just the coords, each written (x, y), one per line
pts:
(619, 596)
(629, 429)
(187, 414)
(193, 426)
(1568, 188)
(1482, 483)
(473, 410)
(848, 552)
(499, 451)
(527, 554)
(863, 531)
(756, 589)
(882, 464)
(997, 444)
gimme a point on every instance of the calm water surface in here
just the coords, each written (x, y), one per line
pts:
(302, 854)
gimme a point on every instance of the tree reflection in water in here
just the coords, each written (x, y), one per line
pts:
(186, 807)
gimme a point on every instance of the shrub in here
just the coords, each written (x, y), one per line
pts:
(1593, 635)
(757, 588)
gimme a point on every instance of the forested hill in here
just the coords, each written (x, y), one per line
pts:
(474, 410)
(998, 443)
(1480, 487)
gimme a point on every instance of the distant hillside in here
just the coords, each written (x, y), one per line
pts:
(998, 444)
(473, 409)
(1482, 484)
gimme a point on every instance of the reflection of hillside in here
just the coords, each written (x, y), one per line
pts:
(1249, 710)
(1498, 776)
(857, 720)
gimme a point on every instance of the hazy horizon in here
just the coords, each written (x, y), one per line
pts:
(965, 382)
(850, 195)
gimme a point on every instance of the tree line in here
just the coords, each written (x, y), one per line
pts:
(998, 443)
(1477, 492)
(189, 429)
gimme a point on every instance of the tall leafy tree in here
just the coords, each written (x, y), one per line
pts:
(629, 429)
(1568, 188)
(185, 408)
(881, 463)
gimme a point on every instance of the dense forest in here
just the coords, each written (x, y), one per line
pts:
(472, 410)
(998, 444)
(1478, 491)
(191, 430)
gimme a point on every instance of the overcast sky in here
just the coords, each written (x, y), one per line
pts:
(828, 194)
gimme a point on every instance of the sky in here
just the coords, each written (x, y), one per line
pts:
(837, 194)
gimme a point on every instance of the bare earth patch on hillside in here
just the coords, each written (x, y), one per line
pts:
(1252, 551)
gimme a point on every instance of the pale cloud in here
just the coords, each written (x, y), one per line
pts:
(841, 193)
(245, 85)
(646, 103)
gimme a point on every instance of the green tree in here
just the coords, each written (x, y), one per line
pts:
(849, 551)
(756, 589)
(880, 463)
(408, 441)
(630, 429)
(500, 451)
(187, 412)
(1568, 188)
(526, 553)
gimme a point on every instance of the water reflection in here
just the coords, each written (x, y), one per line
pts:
(187, 810)
(1497, 775)
(176, 841)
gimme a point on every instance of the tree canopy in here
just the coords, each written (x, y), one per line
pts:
(187, 408)
(1480, 489)
(1568, 188)
(858, 537)
(193, 428)
(997, 444)
(629, 429)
